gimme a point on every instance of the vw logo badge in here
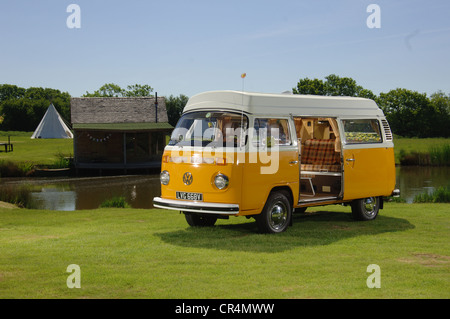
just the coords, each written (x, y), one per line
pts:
(187, 178)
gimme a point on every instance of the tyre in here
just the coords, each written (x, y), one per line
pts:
(200, 220)
(276, 214)
(366, 208)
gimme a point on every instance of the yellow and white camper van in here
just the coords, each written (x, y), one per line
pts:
(268, 155)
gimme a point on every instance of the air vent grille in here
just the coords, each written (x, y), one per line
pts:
(387, 130)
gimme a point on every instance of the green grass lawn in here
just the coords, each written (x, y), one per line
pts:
(133, 253)
(35, 151)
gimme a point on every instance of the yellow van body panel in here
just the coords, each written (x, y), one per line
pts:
(282, 170)
(202, 178)
(368, 172)
(250, 182)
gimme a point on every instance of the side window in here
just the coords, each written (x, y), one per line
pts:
(270, 132)
(362, 131)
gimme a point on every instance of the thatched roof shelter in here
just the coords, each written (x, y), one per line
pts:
(125, 133)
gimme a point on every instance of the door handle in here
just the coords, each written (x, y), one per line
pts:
(293, 162)
(350, 159)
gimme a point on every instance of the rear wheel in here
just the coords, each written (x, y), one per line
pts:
(276, 214)
(366, 208)
(200, 220)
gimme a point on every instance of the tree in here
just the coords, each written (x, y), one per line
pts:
(114, 90)
(308, 86)
(441, 105)
(175, 106)
(333, 86)
(22, 109)
(409, 113)
(138, 90)
(107, 90)
(8, 91)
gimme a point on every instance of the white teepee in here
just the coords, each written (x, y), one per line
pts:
(52, 126)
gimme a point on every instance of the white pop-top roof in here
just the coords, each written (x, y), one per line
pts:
(284, 104)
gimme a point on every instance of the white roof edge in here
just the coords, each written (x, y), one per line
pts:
(295, 104)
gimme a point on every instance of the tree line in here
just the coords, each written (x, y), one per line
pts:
(21, 109)
(410, 113)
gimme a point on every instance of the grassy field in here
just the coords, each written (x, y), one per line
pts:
(35, 151)
(421, 145)
(132, 253)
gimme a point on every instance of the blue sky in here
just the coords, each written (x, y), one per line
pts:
(186, 47)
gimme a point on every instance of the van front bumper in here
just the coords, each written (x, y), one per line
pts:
(196, 207)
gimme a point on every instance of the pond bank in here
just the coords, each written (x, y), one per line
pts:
(7, 205)
(77, 193)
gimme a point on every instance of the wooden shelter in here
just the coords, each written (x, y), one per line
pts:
(119, 133)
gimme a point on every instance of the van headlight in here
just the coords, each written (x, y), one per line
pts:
(164, 177)
(221, 181)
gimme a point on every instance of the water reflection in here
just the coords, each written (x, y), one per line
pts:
(414, 180)
(88, 193)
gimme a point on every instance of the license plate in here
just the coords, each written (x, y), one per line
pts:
(189, 196)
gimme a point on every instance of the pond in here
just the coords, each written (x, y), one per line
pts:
(414, 180)
(89, 192)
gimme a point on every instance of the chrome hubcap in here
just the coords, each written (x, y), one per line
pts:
(370, 206)
(278, 215)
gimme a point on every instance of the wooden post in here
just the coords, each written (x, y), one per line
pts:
(125, 151)
(156, 107)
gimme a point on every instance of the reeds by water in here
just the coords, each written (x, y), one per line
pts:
(19, 196)
(117, 202)
(440, 195)
(436, 156)
(13, 169)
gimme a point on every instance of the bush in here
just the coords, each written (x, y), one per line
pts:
(61, 161)
(11, 169)
(117, 202)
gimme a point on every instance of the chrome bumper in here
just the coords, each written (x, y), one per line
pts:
(396, 193)
(196, 207)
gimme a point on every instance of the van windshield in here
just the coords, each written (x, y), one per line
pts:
(214, 129)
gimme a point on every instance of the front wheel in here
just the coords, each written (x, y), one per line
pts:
(276, 214)
(366, 208)
(200, 220)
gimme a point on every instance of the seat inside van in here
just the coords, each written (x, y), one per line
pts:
(321, 167)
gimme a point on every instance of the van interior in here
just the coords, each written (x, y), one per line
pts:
(321, 160)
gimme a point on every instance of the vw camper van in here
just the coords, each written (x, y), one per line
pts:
(266, 156)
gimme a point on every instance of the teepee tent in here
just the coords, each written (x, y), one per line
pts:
(52, 126)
